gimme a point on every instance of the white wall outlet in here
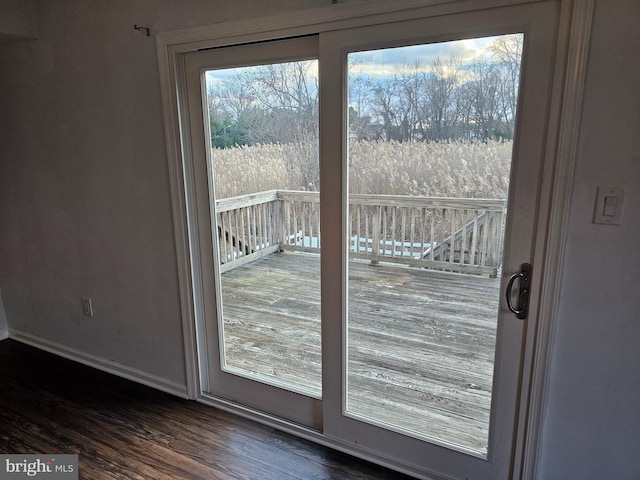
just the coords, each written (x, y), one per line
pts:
(87, 308)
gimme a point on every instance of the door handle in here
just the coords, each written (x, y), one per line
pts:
(524, 275)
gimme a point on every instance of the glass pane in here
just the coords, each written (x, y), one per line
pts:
(264, 133)
(430, 143)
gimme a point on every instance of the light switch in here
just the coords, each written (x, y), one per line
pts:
(87, 308)
(609, 203)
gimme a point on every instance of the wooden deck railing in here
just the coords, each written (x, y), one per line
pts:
(457, 234)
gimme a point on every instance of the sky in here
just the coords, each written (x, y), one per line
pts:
(385, 61)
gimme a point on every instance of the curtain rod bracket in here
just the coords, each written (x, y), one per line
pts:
(144, 30)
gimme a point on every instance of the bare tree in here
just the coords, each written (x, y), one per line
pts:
(361, 125)
(441, 88)
(448, 99)
(507, 51)
(483, 102)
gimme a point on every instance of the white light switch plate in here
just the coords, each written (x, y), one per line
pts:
(87, 307)
(609, 206)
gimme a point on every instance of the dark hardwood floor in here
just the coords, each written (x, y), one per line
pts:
(123, 430)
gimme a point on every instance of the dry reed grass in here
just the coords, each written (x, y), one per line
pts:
(441, 169)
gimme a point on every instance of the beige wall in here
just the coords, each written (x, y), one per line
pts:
(85, 210)
(17, 21)
(85, 206)
(592, 424)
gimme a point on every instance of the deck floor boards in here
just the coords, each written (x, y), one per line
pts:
(421, 342)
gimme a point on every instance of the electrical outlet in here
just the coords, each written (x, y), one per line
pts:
(87, 308)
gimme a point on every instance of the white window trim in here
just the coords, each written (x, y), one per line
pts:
(562, 138)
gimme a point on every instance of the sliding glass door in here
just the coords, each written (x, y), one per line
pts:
(416, 147)
(431, 131)
(438, 172)
(260, 118)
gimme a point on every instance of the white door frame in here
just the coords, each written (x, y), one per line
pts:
(562, 131)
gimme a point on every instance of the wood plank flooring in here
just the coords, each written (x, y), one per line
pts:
(421, 342)
(123, 430)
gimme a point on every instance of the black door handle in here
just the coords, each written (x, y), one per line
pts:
(524, 275)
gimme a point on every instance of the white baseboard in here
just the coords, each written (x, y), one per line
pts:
(108, 366)
(4, 334)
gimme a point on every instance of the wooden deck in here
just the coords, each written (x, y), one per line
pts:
(421, 342)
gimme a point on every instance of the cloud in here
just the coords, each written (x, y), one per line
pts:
(219, 75)
(387, 61)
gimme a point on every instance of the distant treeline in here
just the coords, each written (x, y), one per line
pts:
(447, 100)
